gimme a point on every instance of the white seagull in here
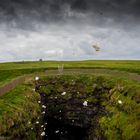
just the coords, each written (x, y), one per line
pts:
(36, 78)
(43, 134)
(63, 93)
(120, 102)
(85, 103)
(43, 106)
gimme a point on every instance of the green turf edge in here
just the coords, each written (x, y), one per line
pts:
(18, 110)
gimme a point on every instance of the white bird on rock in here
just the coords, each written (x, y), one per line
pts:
(43, 112)
(36, 78)
(43, 106)
(43, 134)
(119, 101)
(57, 131)
(64, 93)
(85, 103)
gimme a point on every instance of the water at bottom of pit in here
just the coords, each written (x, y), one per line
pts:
(58, 130)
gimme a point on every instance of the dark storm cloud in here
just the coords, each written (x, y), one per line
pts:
(66, 29)
(115, 6)
(46, 10)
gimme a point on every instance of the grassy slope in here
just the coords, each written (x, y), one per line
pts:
(11, 70)
(17, 108)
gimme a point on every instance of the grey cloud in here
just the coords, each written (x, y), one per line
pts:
(68, 42)
(57, 10)
(66, 29)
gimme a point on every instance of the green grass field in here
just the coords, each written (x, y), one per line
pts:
(12, 70)
(132, 65)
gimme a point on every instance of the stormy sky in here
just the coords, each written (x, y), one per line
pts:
(67, 29)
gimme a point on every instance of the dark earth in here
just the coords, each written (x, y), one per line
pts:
(66, 116)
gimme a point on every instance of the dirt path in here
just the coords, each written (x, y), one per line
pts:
(12, 84)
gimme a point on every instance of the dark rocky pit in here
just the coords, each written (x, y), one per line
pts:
(85, 107)
(59, 130)
(66, 115)
(67, 119)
